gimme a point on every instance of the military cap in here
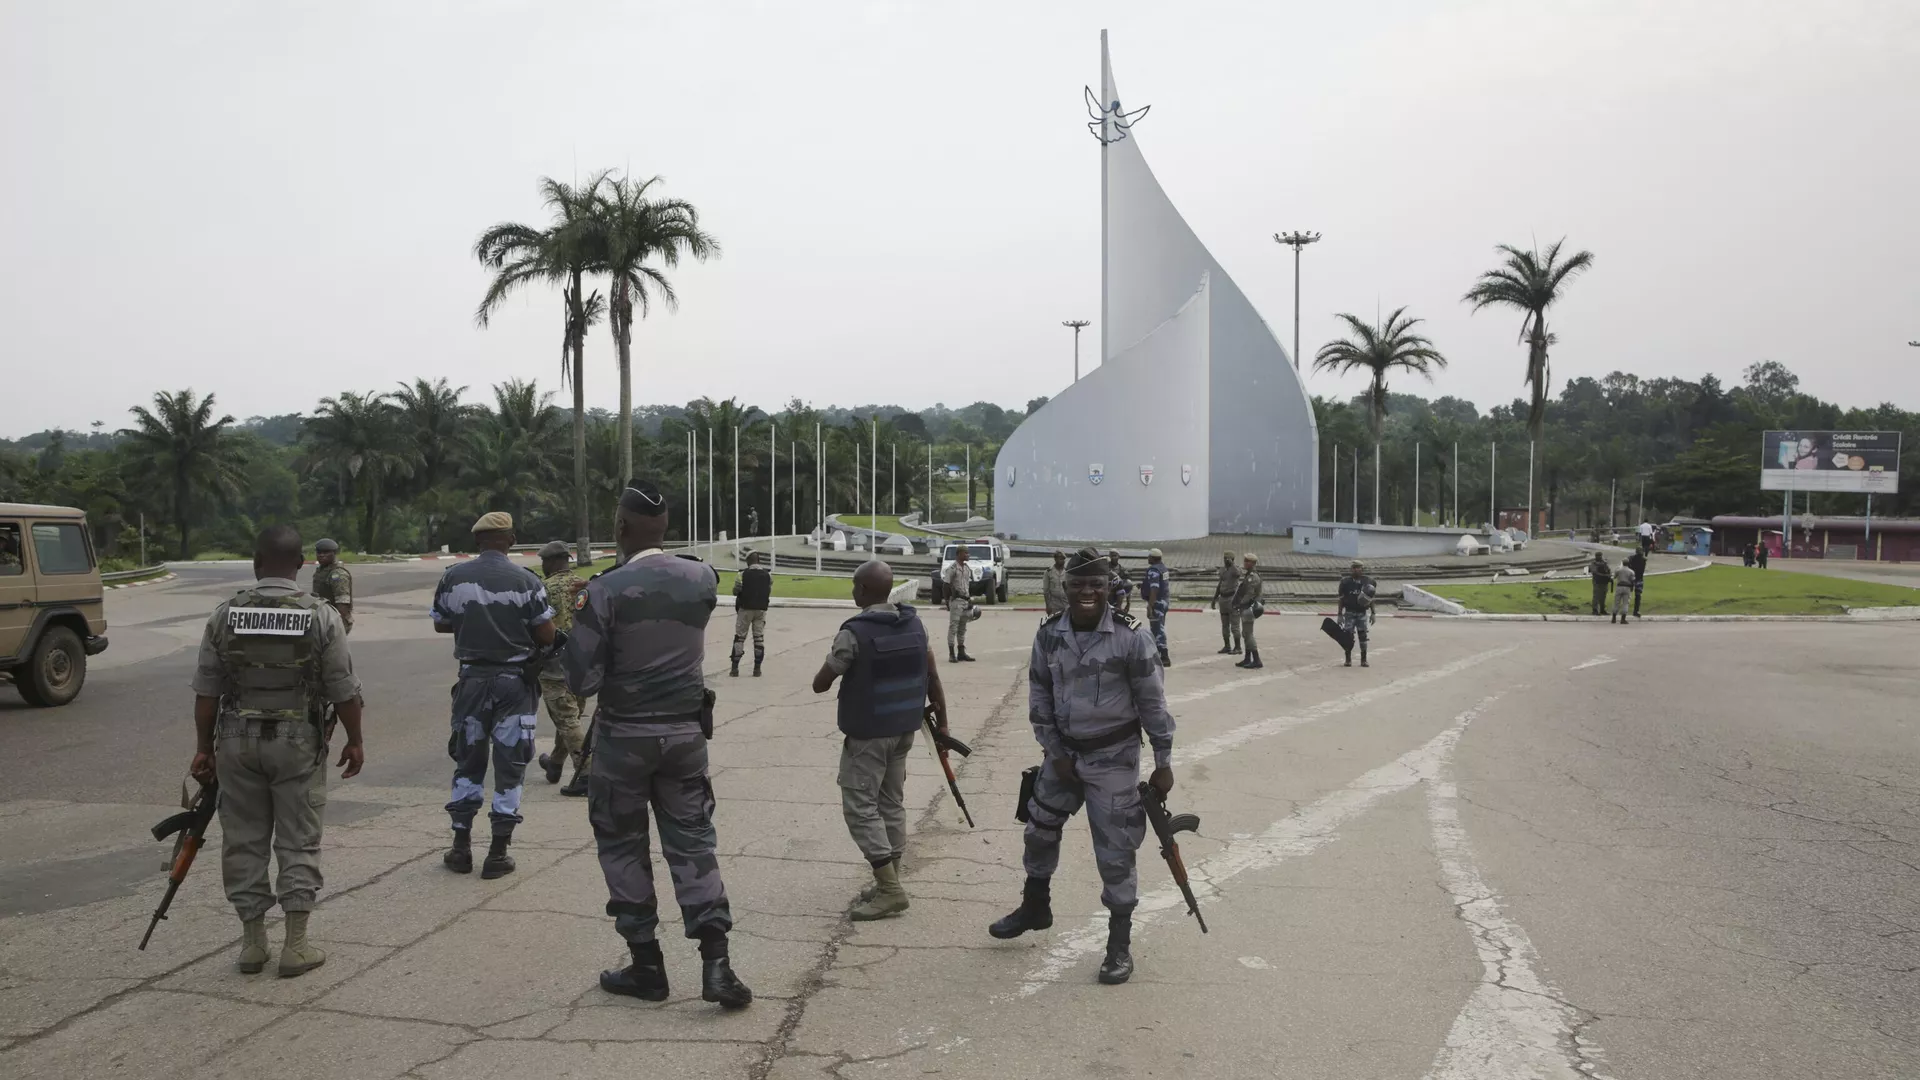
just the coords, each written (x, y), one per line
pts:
(494, 521)
(642, 498)
(1153, 553)
(555, 549)
(753, 558)
(1087, 563)
(1251, 557)
(324, 544)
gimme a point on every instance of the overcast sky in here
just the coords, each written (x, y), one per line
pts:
(275, 201)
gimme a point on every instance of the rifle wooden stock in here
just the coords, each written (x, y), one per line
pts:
(939, 746)
(1164, 826)
(191, 825)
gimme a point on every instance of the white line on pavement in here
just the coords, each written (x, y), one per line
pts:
(1595, 662)
(1300, 833)
(1261, 680)
(1260, 729)
(1515, 1026)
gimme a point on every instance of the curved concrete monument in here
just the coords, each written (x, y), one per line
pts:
(1195, 422)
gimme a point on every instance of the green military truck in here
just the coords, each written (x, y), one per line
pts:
(51, 614)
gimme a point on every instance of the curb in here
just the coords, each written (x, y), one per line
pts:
(168, 576)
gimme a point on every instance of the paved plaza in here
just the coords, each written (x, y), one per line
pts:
(1504, 851)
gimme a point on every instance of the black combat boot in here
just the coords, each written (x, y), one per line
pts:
(499, 863)
(1349, 658)
(1363, 654)
(718, 983)
(1118, 966)
(577, 786)
(1164, 660)
(734, 671)
(553, 767)
(459, 857)
(1247, 660)
(950, 657)
(759, 657)
(1034, 913)
(645, 978)
(1254, 657)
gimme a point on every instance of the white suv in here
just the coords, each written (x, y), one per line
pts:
(986, 566)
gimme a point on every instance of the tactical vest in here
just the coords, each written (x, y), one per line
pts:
(885, 691)
(266, 648)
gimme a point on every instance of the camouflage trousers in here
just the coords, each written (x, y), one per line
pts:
(957, 610)
(745, 621)
(1157, 622)
(564, 709)
(494, 715)
(1109, 787)
(272, 793)
(1229, 629)
(873, 794)
(630, 774)
(1356, 621)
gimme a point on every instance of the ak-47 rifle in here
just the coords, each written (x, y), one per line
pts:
(1164, 826)
(191, 825)
(939, 745)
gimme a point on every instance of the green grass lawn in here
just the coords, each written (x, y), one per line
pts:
(1717, 590)
(890, 524)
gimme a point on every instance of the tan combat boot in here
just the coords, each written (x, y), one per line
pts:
(299, 956)
(888, 898)
(253, 946)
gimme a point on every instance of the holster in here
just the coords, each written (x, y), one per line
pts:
(707, 698)
(1028, 778)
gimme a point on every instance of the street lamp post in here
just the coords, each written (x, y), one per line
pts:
(1078, 325)
(1296, 241)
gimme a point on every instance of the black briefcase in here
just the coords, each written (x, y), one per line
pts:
(1331, 628)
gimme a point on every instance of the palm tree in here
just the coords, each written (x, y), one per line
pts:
(559, 254)
(431, 416)
(190, 452)
(360, 439)
(1531, 284)
(629, 229)
(1379, 349)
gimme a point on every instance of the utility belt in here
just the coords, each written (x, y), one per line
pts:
(1130, 733)
(702, 716)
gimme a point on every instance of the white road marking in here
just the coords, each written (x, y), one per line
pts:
(1260, 729)
(1301, 833)
(1595, 662)
(1255, 963)
(1261, 680)
(1516, 1025)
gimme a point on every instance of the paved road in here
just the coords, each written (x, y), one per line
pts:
(1536, 850)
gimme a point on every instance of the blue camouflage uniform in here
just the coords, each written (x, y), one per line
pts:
(1156, 588)
(493, 605)
(1090, 696)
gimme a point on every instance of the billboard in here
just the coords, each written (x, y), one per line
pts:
(1857, 461)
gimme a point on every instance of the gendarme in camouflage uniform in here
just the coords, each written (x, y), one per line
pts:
(333, 582)
(1223, 599)
(563, 707)
(1248, 606)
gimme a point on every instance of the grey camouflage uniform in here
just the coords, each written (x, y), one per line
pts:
(958, 582)
(271, 763)
(1223, 594)
(1085, 689)
(639, 643)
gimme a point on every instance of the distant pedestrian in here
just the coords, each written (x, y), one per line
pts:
(1156, 590)
(1746, 555)
(1356, 609)
(1247, 606)
(1223, 591)
(958, 580)
(1623, 583)
(1053, 586)
(1760, 555)
(1646, 535)
(1636, 562)
(1602, 575)
(752, 594)
(753, 523)
(890, 682)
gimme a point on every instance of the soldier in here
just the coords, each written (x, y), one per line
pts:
(1223, 599)
(1119, 585)
(1637, 562)
(1356, 608)
(958, 581)
(1247, 606)
(270, 659)
(1602, 575)
(1053, 586)
(1156, 588)
(499, 616)
(1091, 737)
(639, 642)
(331, 581)
(1624, 582)
(569, 734)
(891, 678)
(753, 522)
(752, 591)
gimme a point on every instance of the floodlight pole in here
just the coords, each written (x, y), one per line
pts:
(1078, 325)
(1296, 241)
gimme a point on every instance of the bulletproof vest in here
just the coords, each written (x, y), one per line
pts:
(1354, 595)
(885, 690)
(266, 647)
(756, 586)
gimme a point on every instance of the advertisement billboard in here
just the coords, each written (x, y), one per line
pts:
(1866, 462)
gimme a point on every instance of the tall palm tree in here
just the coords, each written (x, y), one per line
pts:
(1530, 283)
(559, 254)
(359, 438)
(191, 453)
(1379, 349)
(631, 230)
(431, 417)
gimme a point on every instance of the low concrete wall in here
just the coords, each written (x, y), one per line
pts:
(1351, 541)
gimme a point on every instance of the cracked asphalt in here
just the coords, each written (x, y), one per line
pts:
(1693, 856)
